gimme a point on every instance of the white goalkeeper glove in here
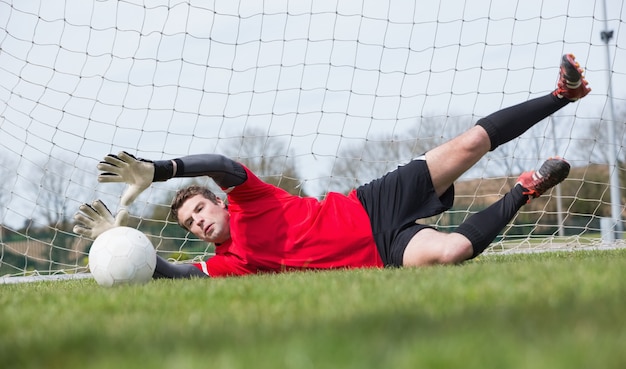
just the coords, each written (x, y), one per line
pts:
(95, 218)
(124, 167)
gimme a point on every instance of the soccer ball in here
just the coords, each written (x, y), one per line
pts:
(122, 255)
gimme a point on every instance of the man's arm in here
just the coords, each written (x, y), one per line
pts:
(165, 269)
(224, 171)
(140, 173)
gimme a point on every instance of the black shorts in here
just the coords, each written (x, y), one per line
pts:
(396, 201)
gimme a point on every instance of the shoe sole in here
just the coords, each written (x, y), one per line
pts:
(554, 170)
(571, 74)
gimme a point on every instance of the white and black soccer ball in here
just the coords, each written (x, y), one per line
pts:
(122, 255)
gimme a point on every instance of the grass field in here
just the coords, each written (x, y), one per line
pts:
(550, 310)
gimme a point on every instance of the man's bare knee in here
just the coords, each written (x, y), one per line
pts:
(456, 253)
(430, 247)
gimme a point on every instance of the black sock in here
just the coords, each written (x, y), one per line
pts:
(509, 123)
(483, 227)
(165, 269)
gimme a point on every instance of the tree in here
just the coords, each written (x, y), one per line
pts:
(268, 157)
(598, 139)
(52, 191)
(375, 156)
(6, 173)
(600, 144)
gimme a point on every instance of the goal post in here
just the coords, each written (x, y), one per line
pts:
(315, 96)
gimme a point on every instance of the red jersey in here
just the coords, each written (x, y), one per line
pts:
(274, 231)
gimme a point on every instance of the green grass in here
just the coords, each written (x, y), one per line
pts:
(551, 310)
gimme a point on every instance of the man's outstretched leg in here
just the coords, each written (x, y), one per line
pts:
(509, 123)
(449, 161)
(483, 227)
(474, 235)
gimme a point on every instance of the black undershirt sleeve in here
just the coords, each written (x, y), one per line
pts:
(224, 171)
(165, 269)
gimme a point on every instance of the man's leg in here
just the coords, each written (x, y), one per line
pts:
(473, 236)
(449, 161)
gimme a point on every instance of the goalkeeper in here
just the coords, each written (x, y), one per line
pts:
(261, 228)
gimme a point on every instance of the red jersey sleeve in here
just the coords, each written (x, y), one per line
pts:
(226, 266)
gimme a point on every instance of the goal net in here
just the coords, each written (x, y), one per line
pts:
(314, 96)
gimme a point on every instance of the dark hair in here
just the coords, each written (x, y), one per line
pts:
(184, 194)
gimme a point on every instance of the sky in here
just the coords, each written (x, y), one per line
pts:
(161, 79)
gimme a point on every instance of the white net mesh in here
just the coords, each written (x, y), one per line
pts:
(316, 96)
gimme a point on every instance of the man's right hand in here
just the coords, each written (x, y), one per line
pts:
(124, 167)
(95, 218)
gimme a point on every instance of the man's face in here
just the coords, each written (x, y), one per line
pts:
(206, 220)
